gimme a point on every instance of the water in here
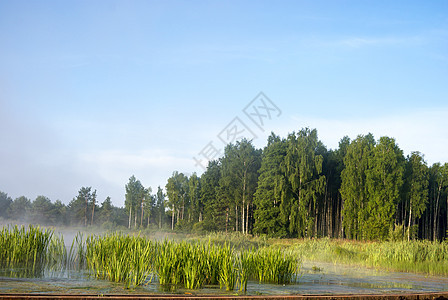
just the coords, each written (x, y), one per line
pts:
(323, 279)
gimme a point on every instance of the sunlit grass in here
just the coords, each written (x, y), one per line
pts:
(413, 256)
(24, 248)
(136, 260)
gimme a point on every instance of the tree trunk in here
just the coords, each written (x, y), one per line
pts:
(236, 218)
(183, 208)
(227, 217)
(160, 220)
(141, 218)
(93, 213)
(172, 219)
(130, 216)
(436, 212)
(247, 218)
(242, 218)
(85, 213)
(409, 223)
(244, 199)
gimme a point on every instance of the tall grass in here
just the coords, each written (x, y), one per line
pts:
(135, 260)
(414, 256)
(120, 258)
(22, 247)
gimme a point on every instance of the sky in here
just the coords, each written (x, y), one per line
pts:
(93, 92)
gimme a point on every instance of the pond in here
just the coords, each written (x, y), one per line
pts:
(316, 279)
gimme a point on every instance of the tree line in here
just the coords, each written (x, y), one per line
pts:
(366, 189)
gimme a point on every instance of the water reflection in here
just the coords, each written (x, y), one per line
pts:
(316, 278)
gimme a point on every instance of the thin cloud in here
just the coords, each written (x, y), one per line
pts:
(357, 42)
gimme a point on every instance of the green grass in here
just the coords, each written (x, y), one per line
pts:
(414, 256)
(192, 264)
(24, 248)
(227, 260)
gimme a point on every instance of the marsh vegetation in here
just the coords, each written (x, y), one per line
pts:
(135, 260)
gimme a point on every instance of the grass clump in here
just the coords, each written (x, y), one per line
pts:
(120, 258)
(24, 248)
(136, 260)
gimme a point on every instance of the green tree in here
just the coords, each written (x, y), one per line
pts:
(177, 192)
(216, 211)
(438, 183)
(79, 206)
(41, 210)
(194, 188)
(106, 211)
(332, 168)
(5, 203)
(272, 189)
(416, 188)
(238, 182)
(303, 170)
(354, 190)
(147, 205)
(133, 198)
(384, 179)
(19, 209)
(160, 207)
(58, 215)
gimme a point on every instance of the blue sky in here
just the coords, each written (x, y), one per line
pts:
(92, 92)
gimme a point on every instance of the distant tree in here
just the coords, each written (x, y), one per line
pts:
(79, 207)
(92, 203)
(42, 210)
(119, 216)
(19, 209)
(160, 207)
(148, 204)
(5, 202)
(196, 208)
(216, 211)
(134, 195)
(177, 192)
(58, 214)
(106, 210)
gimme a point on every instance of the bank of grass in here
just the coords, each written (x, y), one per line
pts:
(413, 256)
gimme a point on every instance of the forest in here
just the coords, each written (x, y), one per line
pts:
(294, 187)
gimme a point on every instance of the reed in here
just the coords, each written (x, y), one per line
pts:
(23, 250)
(56, 254)
(23, 247)
(120, 258)
(135, 260)
(272, 265)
